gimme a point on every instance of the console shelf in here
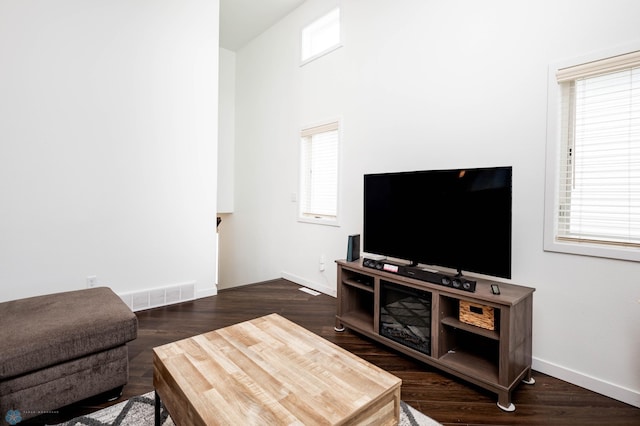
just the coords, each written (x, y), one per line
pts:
(358, 284)
(496, 359)
(456, 323)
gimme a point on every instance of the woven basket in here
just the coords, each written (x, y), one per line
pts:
(478, 315)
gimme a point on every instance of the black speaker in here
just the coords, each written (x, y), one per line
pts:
(353, 248)
(418, 273)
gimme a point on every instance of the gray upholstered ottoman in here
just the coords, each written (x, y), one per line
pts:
(61, 348)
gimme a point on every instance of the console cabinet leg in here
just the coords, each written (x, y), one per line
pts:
(504, 402)
(529, 380)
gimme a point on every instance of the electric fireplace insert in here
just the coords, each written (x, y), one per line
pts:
(405, 316)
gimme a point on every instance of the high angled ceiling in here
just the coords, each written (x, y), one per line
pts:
(243, 20)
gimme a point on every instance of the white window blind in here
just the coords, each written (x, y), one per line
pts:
(599, 174)
(321, 36)
(319, 172)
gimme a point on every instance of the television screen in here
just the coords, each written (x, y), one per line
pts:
(459, 219)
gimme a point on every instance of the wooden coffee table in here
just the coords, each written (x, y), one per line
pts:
(270, 371)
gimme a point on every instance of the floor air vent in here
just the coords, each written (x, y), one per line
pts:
(161, 296)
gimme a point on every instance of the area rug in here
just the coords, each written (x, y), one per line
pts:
(139, 411)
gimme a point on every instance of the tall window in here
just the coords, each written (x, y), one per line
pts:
(321, 36)
(319, 173)
(598, 170)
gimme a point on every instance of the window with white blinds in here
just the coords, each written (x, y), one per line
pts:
(598, 176)
(319, 173)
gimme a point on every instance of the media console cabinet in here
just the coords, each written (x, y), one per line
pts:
(424, 320)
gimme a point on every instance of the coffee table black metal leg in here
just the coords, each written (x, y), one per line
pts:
(157, 409)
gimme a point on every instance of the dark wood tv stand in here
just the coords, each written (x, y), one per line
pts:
(496, 360)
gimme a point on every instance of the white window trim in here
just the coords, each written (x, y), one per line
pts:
(321, 54)
(319, 220)
(329, 49)
(553, 158)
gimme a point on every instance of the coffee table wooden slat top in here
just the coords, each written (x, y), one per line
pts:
(271, 371)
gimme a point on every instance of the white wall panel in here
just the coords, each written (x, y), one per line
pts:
(107, 144)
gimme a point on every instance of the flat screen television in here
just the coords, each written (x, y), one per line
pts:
(458, 219)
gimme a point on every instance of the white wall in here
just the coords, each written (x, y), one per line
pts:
(108, 150)
(226, 129)
(226, 164)
(429, 84)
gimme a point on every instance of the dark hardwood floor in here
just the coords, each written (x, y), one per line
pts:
(442, 397)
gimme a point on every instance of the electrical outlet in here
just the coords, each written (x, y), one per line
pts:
(322, 263)
(92, 281)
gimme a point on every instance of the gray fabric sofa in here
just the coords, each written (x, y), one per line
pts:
(61, 348)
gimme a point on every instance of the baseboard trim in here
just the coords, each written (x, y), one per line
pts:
(312, 285)
(611, 390)
(206, 293)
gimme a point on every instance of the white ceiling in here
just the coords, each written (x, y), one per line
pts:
(243, 20)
